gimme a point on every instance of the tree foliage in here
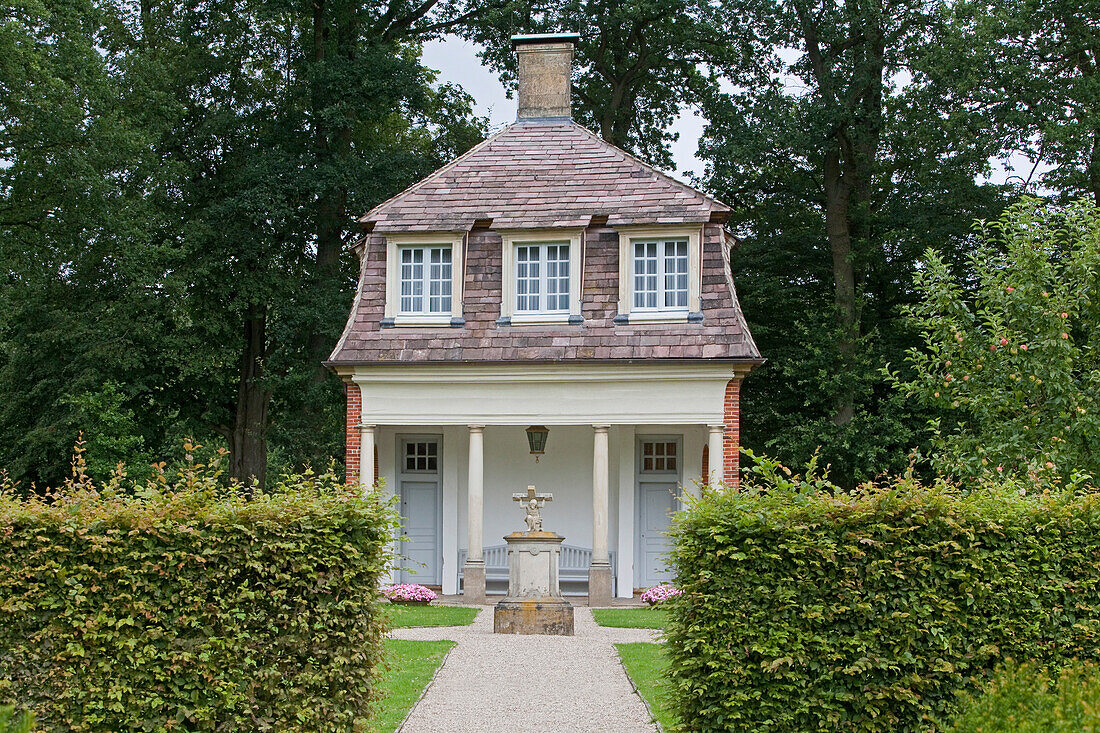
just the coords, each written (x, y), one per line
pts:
(841, 168)
(1011, 363)
(182, 184)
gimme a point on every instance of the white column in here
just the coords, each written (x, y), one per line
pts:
(716, 454)
(624, 586)
(475, 492)
(599, 495)
(452, 439)
(366, 457)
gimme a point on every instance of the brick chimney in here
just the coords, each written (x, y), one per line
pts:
(545, 68)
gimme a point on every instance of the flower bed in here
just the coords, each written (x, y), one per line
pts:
(409, 594)
(660, 593)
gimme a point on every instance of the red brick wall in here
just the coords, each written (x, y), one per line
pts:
(731, 466)
(706, 463)
(351, 452)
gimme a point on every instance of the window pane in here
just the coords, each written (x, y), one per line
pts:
(676, 279)
(425, 276)
(557, 277)
(412, 280)
(440, 280)
(527, 278)
(645, 275)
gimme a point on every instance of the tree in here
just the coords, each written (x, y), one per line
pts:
(638, 63)
(1013, 369)
(841, 170)
(1029, 70)
(183, 182)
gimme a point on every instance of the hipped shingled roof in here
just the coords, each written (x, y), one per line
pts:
(536, 174)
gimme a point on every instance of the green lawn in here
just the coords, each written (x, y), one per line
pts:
(646, 664)
(409, 667)
(406, 616)
(631, 618)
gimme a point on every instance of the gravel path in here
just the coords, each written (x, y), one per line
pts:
(500, 682)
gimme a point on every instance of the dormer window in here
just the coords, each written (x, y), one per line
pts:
(659, 274)
(423, 280)
(541, 277)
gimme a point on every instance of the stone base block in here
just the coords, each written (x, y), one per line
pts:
(473, 582)
(599, 584)
(533, 617)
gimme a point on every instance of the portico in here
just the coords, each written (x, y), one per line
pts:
(462, 429)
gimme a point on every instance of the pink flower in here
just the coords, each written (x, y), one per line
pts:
(1023, 347)
(1000, 469)
(409, 592)
(1004, 342)
(1010, 289)
(947, 378)
(1065, 335)
(966, 377)
(1050, 465)
(660, 593)
(1065, 315)
(993, 347)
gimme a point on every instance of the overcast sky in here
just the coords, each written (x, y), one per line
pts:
(456, 61)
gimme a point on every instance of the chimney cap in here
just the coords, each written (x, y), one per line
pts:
(526, 39)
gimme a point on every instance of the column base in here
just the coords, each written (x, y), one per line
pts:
(599, 584)
(473, 582)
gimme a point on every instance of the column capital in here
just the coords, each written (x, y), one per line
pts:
(367, 426)
(601, 428)
(476, 428)
(716, 428)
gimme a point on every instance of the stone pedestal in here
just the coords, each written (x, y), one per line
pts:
(473, 582)
(599, 584)
(534, 604)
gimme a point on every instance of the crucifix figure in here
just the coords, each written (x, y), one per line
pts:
(532, 502)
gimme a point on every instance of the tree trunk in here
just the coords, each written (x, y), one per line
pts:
(248, 439)
(838, 192)
(1094, 167)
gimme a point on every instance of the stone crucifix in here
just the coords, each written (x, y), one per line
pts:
(532, 503)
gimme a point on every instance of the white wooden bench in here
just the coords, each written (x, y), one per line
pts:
(572, 569)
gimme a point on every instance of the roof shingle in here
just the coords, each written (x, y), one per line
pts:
(536, 174)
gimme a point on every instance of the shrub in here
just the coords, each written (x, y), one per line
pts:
(1028, 699)
(810, 609)
(179, 604)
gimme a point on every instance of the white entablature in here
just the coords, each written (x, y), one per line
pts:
(549, 394)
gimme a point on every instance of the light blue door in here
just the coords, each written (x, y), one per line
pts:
(421, 510)
(658, 491)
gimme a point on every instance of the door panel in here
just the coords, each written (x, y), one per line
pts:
(658, 502)
(421, 516)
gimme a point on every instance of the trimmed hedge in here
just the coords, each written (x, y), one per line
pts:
(191, 606)
(805, 610)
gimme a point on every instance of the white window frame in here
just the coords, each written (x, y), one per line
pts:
(397, 242)
(628, 236)
(510, 241)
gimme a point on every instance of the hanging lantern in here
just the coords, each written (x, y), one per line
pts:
(536, 438)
